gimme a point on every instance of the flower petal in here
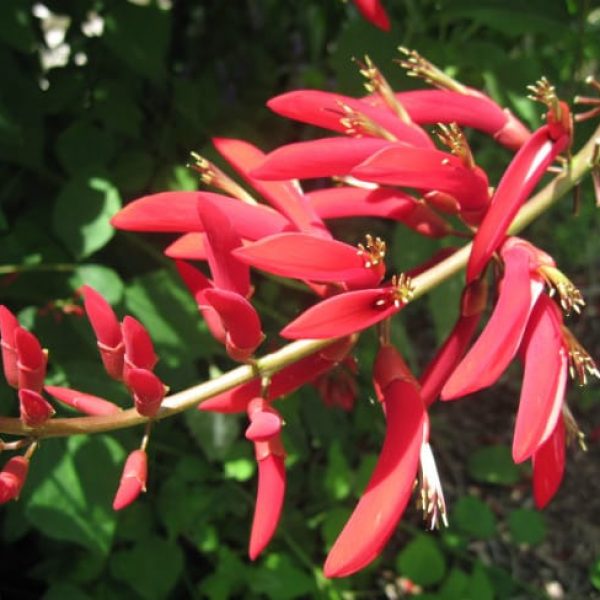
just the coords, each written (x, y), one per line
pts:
(12, 478)
(148, 391)
(549, 466)
(190, 246)
(139, 349)
(544, 380)
(517, 183)
(373, 11)
(8, 325)
(342, 315)
(318, 158)
(85, 403)
(133, 480)
(102, 318)
(31, 360)
(35, 410)
(389, 489)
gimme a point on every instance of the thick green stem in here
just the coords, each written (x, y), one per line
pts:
(271, 363)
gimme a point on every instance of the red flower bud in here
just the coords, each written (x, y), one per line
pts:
(133, 480)
(148, 391)
(139, 350)
(31, 360)
(85, 403)
(265, 422)
(12, 478)
(35, 410)
(8, 325)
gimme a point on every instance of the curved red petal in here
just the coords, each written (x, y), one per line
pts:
(12, 478)
(389, 489)
(342, 315)
(284, 196)
(85, 403)
(133, 480)
(263, 426)
(190, 246)
(498, 344)
(31, 360)
(8, 326)
(373, 11)
(318, 158)
(102, 317)
(139, 349)
(426, 169)
(549, 466)
(148, 391)
(520, 178)
(35, 410)
(388, 367)
(269, 502)
(544, 380)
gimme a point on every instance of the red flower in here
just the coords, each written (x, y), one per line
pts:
(133, 479)
(373, 11)
(85, 403)
(8, 325)
(549, 466)
(12, 478)
(31, 360)
(34, 409)
(148, 391)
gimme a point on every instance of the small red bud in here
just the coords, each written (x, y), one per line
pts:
(148, 391)
(31, 360)
(35, 410)
(12, 478)
(8, 325)
(133, 480)
(85, 403)
(139, 350)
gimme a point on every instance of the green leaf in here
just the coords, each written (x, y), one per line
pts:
(595, 573)
(73, 485)
(82, 214)
(240, 469)
(280, 578)
(60, 591)
(83, 147)
(444, 304)
(15, 25)
(474, 517)
(102, 279)
(455, 585)
(337, 475)
(493, 464)
(151, 568)
(227, 578)
(480, 587)
(422, 561)
(215, 433)
(527, 526)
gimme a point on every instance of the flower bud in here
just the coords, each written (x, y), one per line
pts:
(31, 360)
(133, 480)
(12, 478)
(35, 410)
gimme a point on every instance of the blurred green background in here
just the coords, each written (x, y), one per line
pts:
(101, 101)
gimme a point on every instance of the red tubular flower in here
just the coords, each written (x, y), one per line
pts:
(34, 409)
(31, 360)
(284, 196)
(346, 201)
(517, 183)
(388, 491)
(148, 391)
(426, 169)
(306, 257)
(239, 320)
(324, 109)
(373, 11)
(325, 157)
(178, 212)
(265, 421)
(87, 404)
(12, 478)
(470, 109)
(549, 466)
(107, 329)
(546, 365)
(8, 325)
(139, 349)
(133, 480)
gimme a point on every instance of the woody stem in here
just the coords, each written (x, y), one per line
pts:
(579, 166)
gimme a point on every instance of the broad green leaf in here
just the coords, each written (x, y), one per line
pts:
(102, 279)
(227, 579)
(278, 577)
(493, 464)
(84, 147)
(73, 486)
(454, 586)
(82, 214)
(480, 587)
(473, 516)
(151, 568)
(422, 561)
(338, 478)
(240, 469)
(527, 526)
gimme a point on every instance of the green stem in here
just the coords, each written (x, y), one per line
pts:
(271, 363)
(51, 267)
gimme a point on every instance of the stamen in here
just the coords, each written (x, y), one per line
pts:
(373, 251)
(570, 297)
(357, 124)
(452, 136)
(581, 364)
(211, 175)
(418, 66)
(377, 83)
(543, 91)
(398, 294)
(432, 501)
(589, 101)
(574, 433)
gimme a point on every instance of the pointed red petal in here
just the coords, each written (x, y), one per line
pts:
(388, 367)
(388, 491)
(341, 315)
(133, 480)
(139, 349)
(263, 426)
(31, 360)
(318, 158)
(178, 212)
(34, 409)
(227, 271)
(269, 502)
(102, 317)
(8, 326)
(304, 256)
(12, 478)
(85, 403)
(190, 246)
(544, 380)
(426, 169)
(148, 391)
(549, 466)
(499, 342)
(284, 196)
(520, 178)
(239, 317)
(324, 109)
(373, 11)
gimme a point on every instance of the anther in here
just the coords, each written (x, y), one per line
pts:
(453, 137)
(543, 91)
(357, 124)
(581, 364)
(372, 251)
(570, 298)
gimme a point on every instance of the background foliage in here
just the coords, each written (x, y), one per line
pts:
(101, 102)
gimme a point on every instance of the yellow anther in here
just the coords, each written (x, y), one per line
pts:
(403, 289)
(543, 91)
(453, 137)
(571, 299)
(372, 251)
(581, 364)
(357, 124)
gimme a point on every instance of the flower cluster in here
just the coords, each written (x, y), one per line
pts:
(378, 161)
